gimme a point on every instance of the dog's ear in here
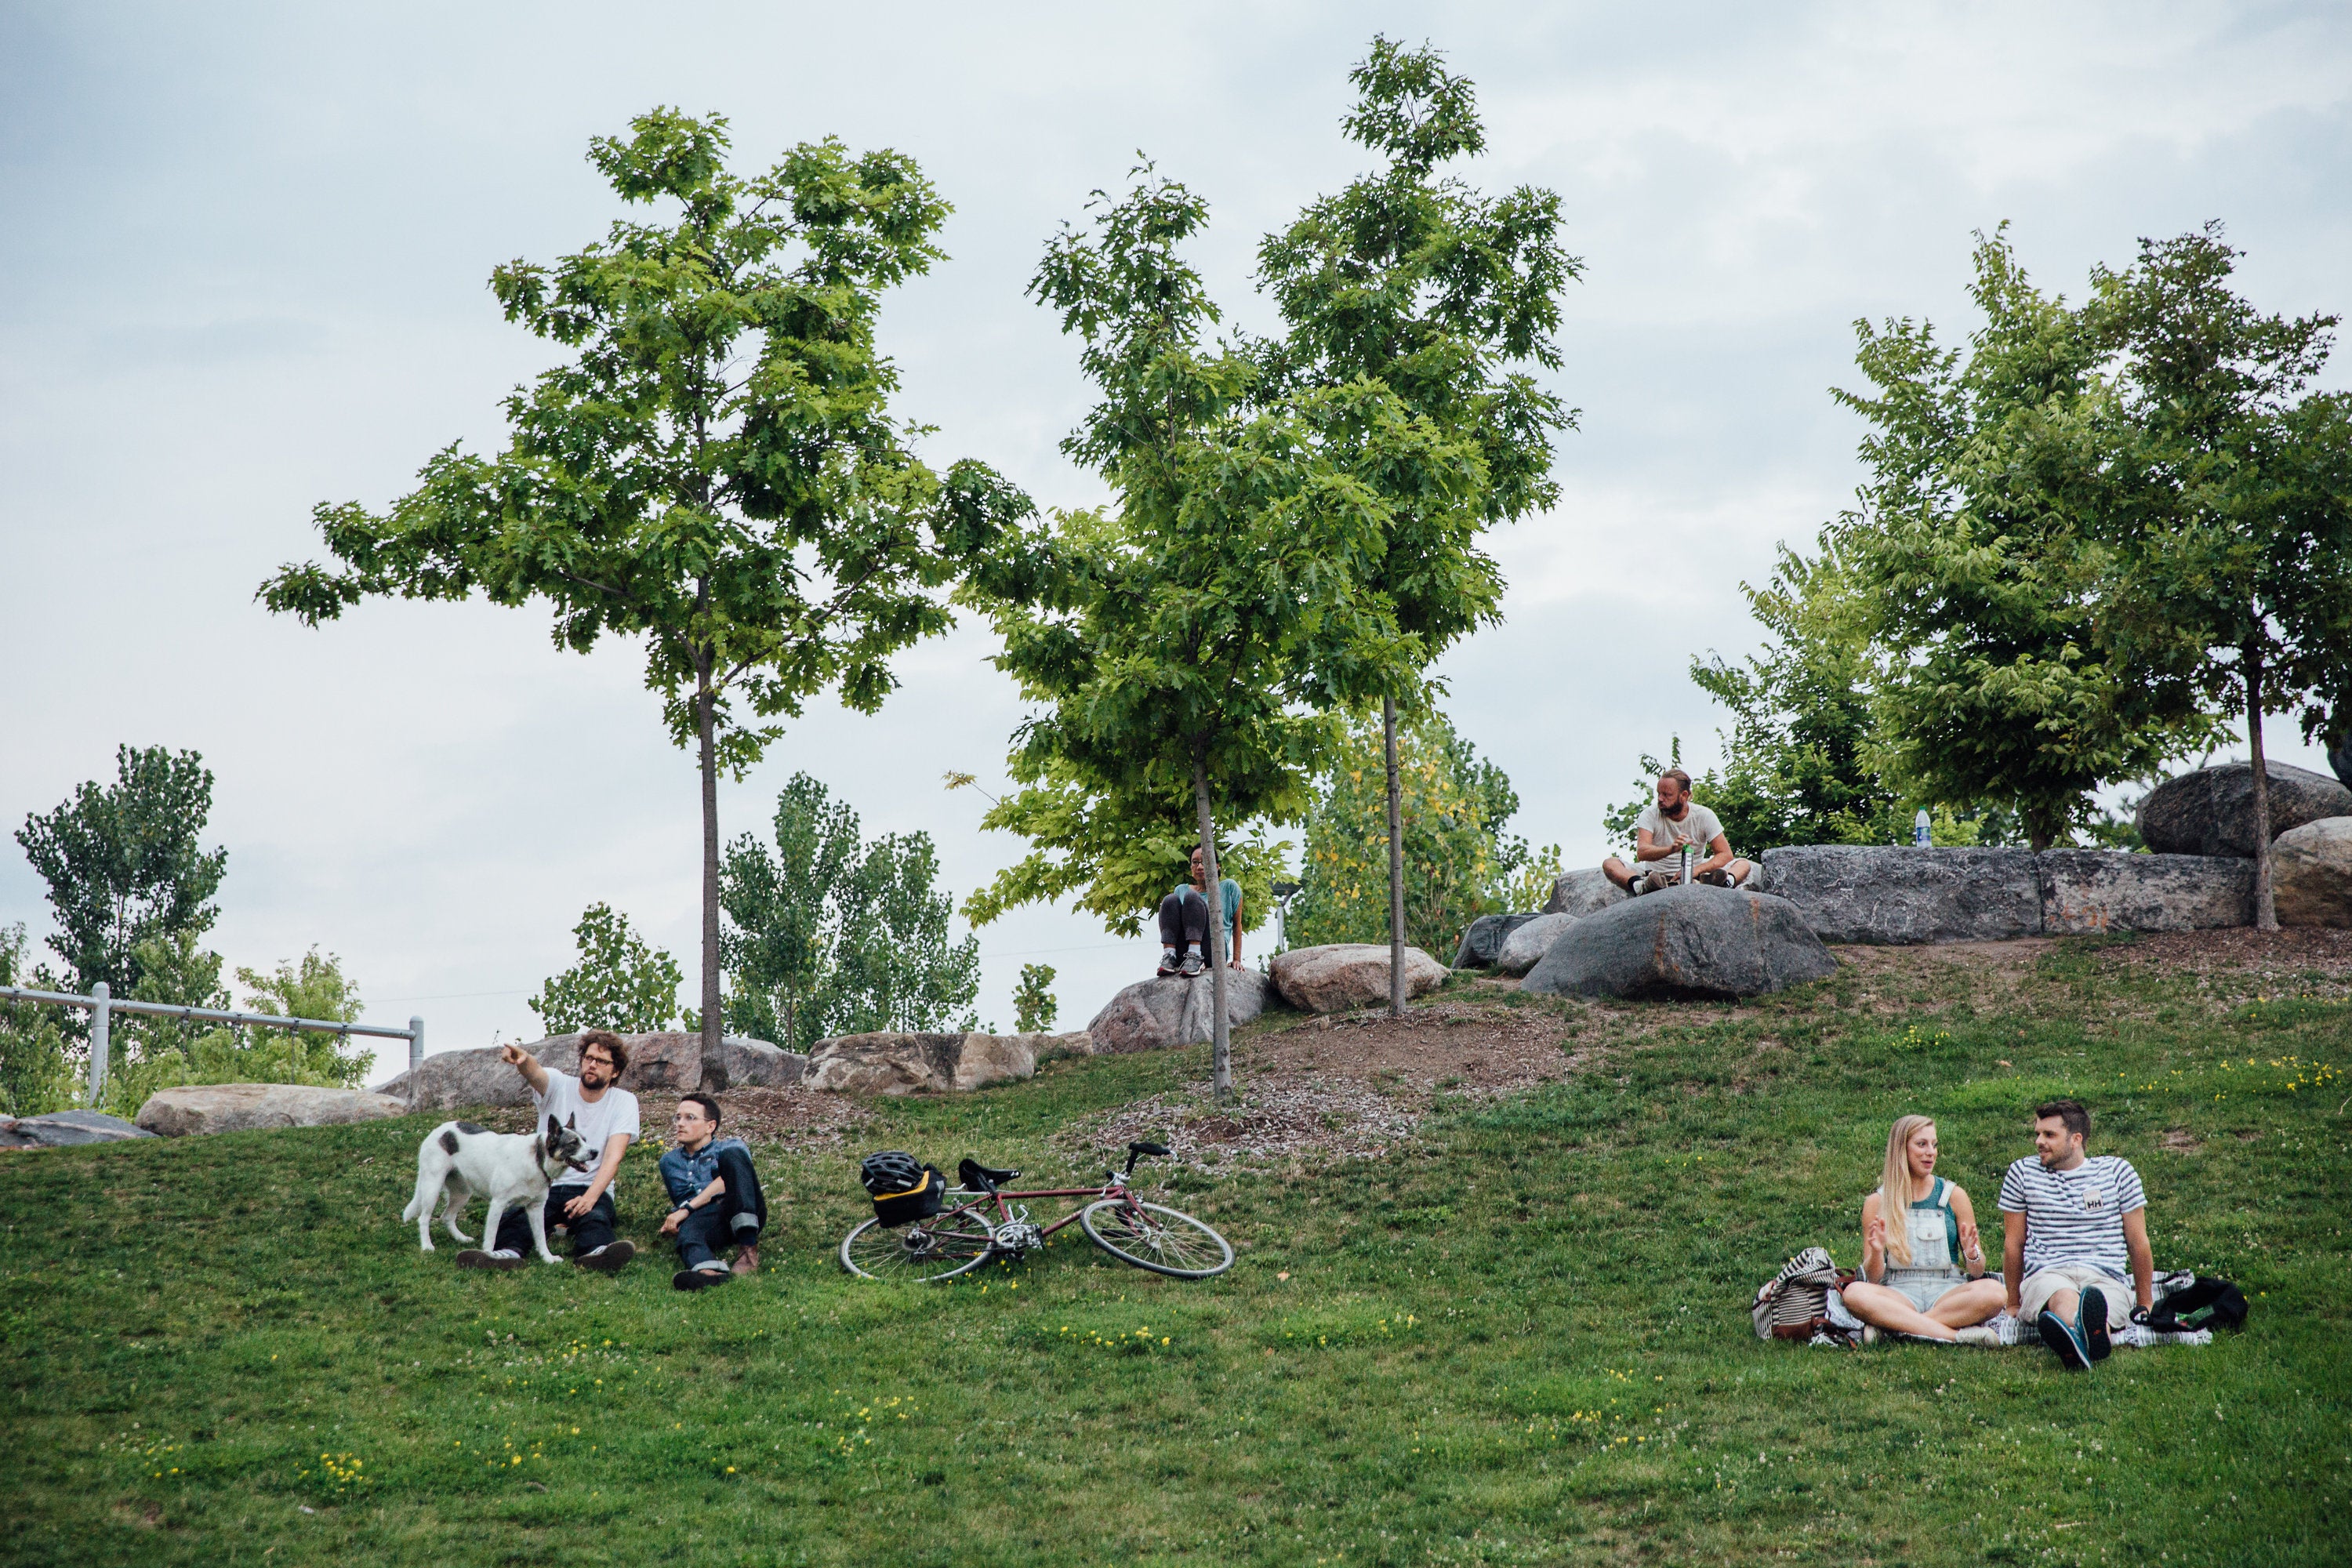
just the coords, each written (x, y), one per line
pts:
(552, 1128)
(572, 1121)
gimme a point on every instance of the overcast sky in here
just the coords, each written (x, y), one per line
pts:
(243, 258)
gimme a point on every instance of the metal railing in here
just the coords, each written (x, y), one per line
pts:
(102, 1006)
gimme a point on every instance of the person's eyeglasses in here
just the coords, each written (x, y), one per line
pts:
(600, 1061)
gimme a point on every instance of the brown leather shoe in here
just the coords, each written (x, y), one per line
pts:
(747, 1259)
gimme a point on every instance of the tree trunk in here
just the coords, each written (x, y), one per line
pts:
(1220, 1049)
(1396, 861)
(706, 727)
(2265, 908)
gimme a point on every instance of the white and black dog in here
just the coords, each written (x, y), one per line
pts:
(459, 1159)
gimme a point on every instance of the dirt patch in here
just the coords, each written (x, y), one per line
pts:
(2180, 1141)
(2298, 950)
(1351, 1086)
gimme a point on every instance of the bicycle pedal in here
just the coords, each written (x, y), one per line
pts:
(1017, 1235)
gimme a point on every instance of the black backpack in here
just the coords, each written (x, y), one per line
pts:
(2207, 1303)
(902, 1190)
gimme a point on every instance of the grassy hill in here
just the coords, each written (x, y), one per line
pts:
(1516, 1333)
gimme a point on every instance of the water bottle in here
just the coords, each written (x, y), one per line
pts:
(1920, 835)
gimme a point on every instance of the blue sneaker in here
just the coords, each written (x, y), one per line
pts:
(2091, 1321)
(2060, 1336)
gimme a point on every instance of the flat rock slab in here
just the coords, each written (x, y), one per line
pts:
(194, 1109)
(1528, 944)
(62, 1129)
(1340, 976)
(886, 1063)
(1685, 944)
(2087, 891)
(1159, 1015)
(1585, 892)
(668, 1062)
(2211, 811)
(1482, 945)
(2311, 874)
(1868, 893)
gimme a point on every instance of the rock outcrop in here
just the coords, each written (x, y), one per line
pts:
(670, 1062)
(1528, 944)
(1867, 893)
(1482, 945)
(1685, 943)
(2086, 891)
(1339, 976)
(1160, 1014)
(894, 1064)
(1585, 892)
(242, 1107)
(2311, 874)
(60, 1129)
(2211, 811)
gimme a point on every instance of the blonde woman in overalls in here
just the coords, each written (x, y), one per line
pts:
(1917, 1230)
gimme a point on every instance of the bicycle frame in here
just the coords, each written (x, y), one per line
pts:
(1115, 1188)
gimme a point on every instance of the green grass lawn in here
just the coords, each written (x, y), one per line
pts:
(1525, 1340)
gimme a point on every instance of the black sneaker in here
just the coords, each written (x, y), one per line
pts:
(2091, 1318)
(1194, 966)
(474, 1257)
(698, 1279)
(2060, 1336)
(607, 1259)
(1167, 962)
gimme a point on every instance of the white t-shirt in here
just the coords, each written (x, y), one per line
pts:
(615, 1111)
(1697, 826)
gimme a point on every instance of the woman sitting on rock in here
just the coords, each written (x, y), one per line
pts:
(1917, 1230)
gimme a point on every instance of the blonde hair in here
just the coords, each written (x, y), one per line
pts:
(1894, 1186)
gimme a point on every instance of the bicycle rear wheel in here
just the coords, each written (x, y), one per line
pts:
(927, 1251)
(1164, 1240)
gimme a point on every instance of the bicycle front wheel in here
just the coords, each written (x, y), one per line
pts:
(926, 1251)
(1160, 1239)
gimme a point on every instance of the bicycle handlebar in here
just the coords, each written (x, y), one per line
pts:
(1139, 1148)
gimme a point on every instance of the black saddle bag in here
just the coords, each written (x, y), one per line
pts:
(902, 1190)
(2210, 1303)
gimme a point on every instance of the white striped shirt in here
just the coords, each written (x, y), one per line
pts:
(2075, 1219)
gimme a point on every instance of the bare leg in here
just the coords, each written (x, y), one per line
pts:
(1892, 1310)
(1969, 1305)
(1617, 871)
(2066, 1303)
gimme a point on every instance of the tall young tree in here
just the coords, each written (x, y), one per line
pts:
(2231, 514)
(716, 469)
(1411, 280)
(1980, 551)
(124, 865)
(1202, 635)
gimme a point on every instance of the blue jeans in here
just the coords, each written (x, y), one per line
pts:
(736, 1216)
(589, 1232)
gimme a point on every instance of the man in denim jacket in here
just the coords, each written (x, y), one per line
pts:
(714, 1196)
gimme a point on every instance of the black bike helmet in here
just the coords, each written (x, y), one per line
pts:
(891, 1171)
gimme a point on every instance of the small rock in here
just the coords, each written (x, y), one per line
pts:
(1483, 942)
(1685, 943)
(60, 1129)
(1158, 1014)
(1585, 892)
(884, 1063)
(1339, 976)
(2311, 874)
(194, 1109)
(2211, 810)
(1528, 944)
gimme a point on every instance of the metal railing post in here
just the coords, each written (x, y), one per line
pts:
(415, 1047)
(98, 1042)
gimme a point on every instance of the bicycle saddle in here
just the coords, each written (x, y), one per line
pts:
(972, 1174)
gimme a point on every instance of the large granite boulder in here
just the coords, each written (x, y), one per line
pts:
(887, 1063)
(1528, 944)
(242, 1107)
(2086, 891)
(1685, 943)
(1342, 975)
(1161, 1014)
(1870, 893)
(2311, 874)
(1582, 892)
(61, 1128)
(2211, 811)
(668, 1062)
(1483, 942)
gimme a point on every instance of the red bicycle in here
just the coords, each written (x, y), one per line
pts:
(990, 1222)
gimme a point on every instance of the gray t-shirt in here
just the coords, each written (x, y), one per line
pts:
(615, 1111)
(1698, 826)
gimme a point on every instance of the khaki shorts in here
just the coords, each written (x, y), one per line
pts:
(2044, 1283)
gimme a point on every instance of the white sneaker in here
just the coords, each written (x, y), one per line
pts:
(1980, 1335)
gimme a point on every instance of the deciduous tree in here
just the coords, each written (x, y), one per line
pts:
(621, 982)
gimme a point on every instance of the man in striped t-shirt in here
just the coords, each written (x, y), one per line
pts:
(2072, 1226)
